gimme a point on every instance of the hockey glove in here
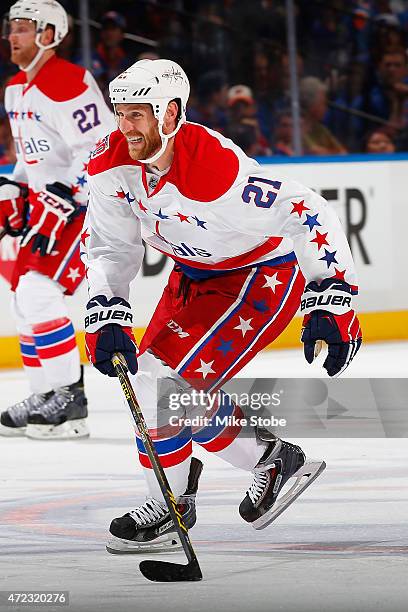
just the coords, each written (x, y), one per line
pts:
(52, 209)
(103, 339)
(13, 207)
(329, 317)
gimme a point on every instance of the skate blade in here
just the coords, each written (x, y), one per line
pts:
(310, 470)
(118, 546)
(12, 432)
(70, 430)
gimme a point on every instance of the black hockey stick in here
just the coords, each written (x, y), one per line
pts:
(158, 571)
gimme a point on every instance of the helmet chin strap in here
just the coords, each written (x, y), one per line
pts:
(41, 49)
(34, 62)
(165, 139)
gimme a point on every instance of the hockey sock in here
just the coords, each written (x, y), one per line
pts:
(57, 351)
(173, 443)
(226, 438)
(32, 365)
(39, 306)
(176, 464)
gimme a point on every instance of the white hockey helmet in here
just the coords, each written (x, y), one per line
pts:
(154, 82)
(43, 12)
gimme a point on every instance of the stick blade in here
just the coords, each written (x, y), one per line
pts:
(164, 571)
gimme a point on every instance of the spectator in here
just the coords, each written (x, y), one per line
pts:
(327, 41)
(360, 31)
(387, 98)
(378, 141)
(343, 122)
(317, 138)
(175, 42)
(244, 136)
(264, 85)
(67, 48)
(211, 101)
(110, 50)
(209, 42)
(283, 135)
(282, 95)
(243, 110)
(386, 34)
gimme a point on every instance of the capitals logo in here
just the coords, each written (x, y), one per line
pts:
(100, 147)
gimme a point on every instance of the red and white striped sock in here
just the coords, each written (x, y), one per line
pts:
(57, 351)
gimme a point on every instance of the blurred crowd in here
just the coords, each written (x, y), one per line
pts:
(351, 63)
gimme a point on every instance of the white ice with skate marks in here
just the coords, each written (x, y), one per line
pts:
(342, 545)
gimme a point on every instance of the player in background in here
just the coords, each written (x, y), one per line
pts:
(249, 247)
(57, 113)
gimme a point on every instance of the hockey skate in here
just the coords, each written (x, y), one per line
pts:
(150, 528)
(13, 421)
(280, 462)
(63, 416)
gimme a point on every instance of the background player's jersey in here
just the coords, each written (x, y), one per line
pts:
(215, 210)
(56, 120)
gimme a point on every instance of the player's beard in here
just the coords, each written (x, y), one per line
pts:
(149, 146)
(23, 57)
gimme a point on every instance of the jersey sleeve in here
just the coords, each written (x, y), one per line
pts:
(262, 205)
(111, 244)
(19, 173)
(85, 119)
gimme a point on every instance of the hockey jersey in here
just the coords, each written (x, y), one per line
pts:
(56, 120)
(215, 210)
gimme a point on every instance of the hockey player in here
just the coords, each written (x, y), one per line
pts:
(249, 247)
(57, 113)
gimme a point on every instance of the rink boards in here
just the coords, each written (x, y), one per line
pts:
(369, 195)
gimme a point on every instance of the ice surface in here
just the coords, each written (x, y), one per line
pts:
(342, 546)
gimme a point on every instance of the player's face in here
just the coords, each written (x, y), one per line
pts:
(22, 41)
(138, 125)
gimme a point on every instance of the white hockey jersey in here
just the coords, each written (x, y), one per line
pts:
(56, 119)
(215, 210)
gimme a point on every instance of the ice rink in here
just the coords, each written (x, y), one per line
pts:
(342, 546)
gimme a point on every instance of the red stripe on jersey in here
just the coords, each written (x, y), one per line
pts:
(239, 261)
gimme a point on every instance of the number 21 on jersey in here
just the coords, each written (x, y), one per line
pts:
(261, 192)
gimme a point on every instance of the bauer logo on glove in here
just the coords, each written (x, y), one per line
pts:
(103, 311)
(104, 338)
(333, 321)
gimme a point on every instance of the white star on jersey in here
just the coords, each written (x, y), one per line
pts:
(73, 274)
(205, 368)
(244, 326)
(272, 282)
